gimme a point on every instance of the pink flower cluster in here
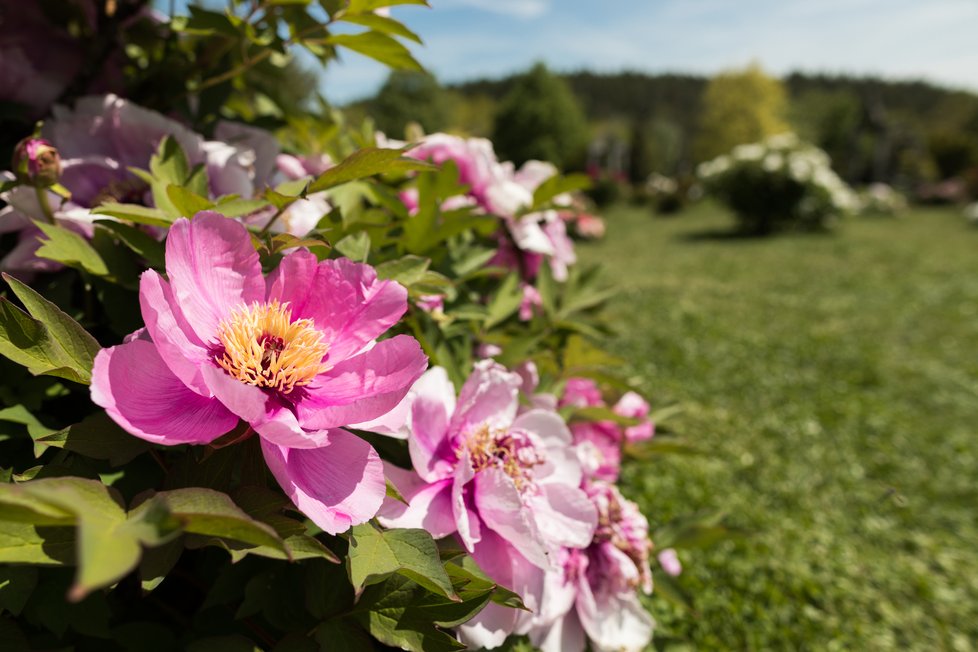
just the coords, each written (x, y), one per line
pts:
(506, 478)
(600, 442)
(498, 188)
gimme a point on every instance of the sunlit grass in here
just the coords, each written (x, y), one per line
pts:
(833, 379)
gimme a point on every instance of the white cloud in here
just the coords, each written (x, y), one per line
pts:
(518, 8)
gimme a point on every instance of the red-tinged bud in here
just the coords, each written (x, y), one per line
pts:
(37, 163)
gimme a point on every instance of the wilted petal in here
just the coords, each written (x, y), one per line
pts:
(362, 387)
(213, 268)
(142, 395)
(337, 485)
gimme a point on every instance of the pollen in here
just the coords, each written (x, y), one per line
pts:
(261, 345)
(511, 451)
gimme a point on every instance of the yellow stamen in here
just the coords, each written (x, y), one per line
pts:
(508, 451)
(264, 347)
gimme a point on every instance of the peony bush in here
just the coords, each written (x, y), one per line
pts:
(777, 184)
(343, 397)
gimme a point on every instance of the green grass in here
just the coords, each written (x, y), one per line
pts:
(833, 380)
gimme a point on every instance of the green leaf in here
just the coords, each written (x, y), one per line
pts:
(342, 635)
(134, 213)
(366, 163)
(106, 548)
(19, 414)
(383, 24)
(231, 643)
(394, 493)
(401, 614)
(505, 302)
(212, 513)
(69, 248)
(23, 543)
(407, 270)
(363, 6)
(140, 242)
(376, 554)
(16, 585)
(47, 341)
(355, 246)
(557, 185)
(97, 436)
(186, 201)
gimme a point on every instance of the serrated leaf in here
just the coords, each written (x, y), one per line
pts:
(69, 248)
(376, 554)
(47, 341)
(366, 163)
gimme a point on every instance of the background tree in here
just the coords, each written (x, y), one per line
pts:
(540, 119)
(409, 96)
(739, 107)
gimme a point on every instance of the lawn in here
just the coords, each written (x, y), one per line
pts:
(833, 382)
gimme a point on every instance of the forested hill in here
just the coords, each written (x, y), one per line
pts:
(631, 94)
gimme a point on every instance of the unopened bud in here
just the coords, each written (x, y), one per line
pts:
(37, 162)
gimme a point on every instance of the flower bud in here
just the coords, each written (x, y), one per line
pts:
(36, 162)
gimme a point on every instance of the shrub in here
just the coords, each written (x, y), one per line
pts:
(777, 184)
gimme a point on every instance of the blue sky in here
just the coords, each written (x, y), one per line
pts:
(464, 39)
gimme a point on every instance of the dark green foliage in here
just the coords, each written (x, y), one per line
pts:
(540, 119)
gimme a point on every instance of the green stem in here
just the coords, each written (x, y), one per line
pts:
(42, 200)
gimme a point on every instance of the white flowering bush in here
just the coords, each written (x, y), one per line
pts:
(777, 184)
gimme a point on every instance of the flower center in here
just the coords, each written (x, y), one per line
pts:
(511, 451)
(262, 346)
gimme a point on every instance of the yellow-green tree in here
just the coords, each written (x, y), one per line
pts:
(739, 106)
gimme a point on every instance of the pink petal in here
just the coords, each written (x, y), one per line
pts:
(338, 485)
(490, 394)
(213, 268)
(565, 635)
(502, 509)
(175, 340)
(614, 621)
(142, 395)
(428, 443)
(270, 419)
(429, 505)
(343, 298)
(363, 387)
(467, 522)
(548, 426)
(564, 516)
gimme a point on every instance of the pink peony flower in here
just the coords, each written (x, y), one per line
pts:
(293, 355)
(506, 483)
(633, 406)
(594, 592)
(431, 302)
(599, 443)
(530, 302)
